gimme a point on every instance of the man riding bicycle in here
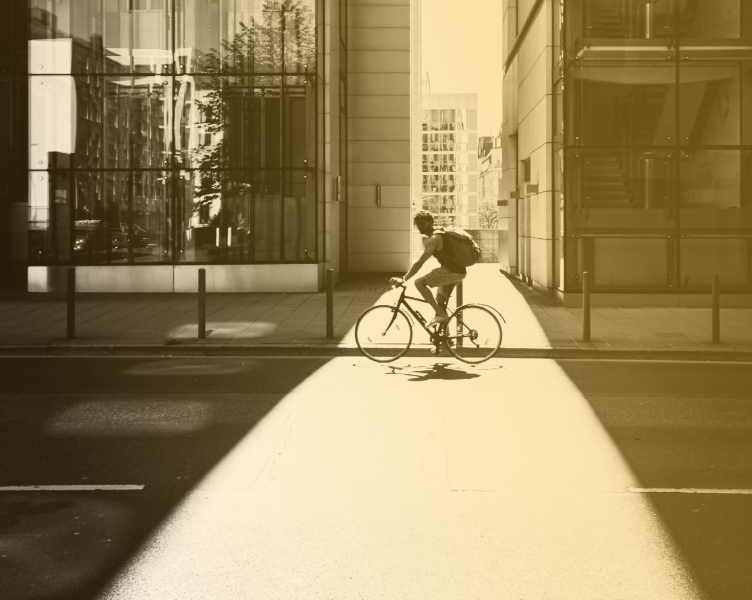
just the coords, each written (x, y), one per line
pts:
(445, 277)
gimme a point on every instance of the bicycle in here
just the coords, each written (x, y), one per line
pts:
(472, 333)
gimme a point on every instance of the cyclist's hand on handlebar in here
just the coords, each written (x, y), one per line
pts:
(397, 281)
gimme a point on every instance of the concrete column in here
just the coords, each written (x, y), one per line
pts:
(379, 68)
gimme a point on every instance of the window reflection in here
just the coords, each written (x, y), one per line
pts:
(746, 102)
(101, 217)
(623, 104)
(703, 20)
(710, 104)
(710, 187)
(654, 22)
(145, 151)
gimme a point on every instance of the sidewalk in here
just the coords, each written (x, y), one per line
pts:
(296, 323)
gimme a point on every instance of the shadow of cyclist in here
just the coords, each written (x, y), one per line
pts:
(443, 371)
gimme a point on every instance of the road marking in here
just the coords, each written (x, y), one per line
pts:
(69, 488)
(688, 491)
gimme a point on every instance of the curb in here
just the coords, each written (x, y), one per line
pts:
(333, 350)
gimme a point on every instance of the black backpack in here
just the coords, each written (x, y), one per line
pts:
(466, 250)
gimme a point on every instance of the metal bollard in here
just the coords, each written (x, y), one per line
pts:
(329, 304)
(716, 316)
(585, 307)
(71, 316)
(459, 299)
(202, 304)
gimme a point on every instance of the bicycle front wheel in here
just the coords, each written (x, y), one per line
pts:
(473, 334)
(383, 333)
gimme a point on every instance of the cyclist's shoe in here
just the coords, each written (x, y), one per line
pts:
(437, 320)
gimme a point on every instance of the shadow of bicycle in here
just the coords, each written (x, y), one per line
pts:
(437, 371)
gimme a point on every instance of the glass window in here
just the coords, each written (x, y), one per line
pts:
(623, 105)
(716, 220)
(710, 190)
(710, 104)
(104, 217)
(103, 122)
(202, 153)
(98, 37)
(621, 218)
(746, 102)
(634, 20)
(246, 37)
(704, 20)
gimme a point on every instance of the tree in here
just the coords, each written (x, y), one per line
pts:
(488, 217)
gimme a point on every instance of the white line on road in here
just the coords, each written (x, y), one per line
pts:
(69, 488)
(687, 491)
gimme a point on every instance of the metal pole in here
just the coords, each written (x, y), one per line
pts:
(202, 304)
(585, 307)
(648, 14)
(329, 304)
(71, 317)
(716, 309)
(460, 301)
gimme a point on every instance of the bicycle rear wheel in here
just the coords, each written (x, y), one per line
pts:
(383, 333)
(473, 334)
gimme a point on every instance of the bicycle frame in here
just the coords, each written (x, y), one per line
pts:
(438, 335)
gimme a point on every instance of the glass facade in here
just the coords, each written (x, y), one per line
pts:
(174, 131)
(655, 106)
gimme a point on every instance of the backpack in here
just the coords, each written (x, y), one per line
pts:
(466, 250)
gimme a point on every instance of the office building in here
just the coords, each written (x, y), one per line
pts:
(627, 148)
(263, 140)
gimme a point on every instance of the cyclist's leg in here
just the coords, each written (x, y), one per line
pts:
(423, 285)
(445, 291)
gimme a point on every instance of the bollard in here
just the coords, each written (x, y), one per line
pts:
(329, 304)
(585, 307)
(716, 309)
(459, 301)
(202, 304)
(71, 303)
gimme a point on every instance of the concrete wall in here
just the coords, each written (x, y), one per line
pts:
(527, 134)
(379, 101)
(334, 62)
(169, 278)
(416, 143)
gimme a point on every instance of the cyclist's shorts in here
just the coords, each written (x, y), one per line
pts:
(441, 277)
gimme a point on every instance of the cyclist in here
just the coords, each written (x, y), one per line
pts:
(444, 277)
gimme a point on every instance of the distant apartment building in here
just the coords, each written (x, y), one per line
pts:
(449, 161)
(627, 148)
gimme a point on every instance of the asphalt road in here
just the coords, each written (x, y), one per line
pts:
(340, 478)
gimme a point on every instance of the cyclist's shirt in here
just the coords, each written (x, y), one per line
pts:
(446, 254)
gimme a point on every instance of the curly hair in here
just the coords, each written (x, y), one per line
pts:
(423, 215)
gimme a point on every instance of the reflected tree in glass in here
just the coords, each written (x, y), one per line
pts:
(237, 78)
